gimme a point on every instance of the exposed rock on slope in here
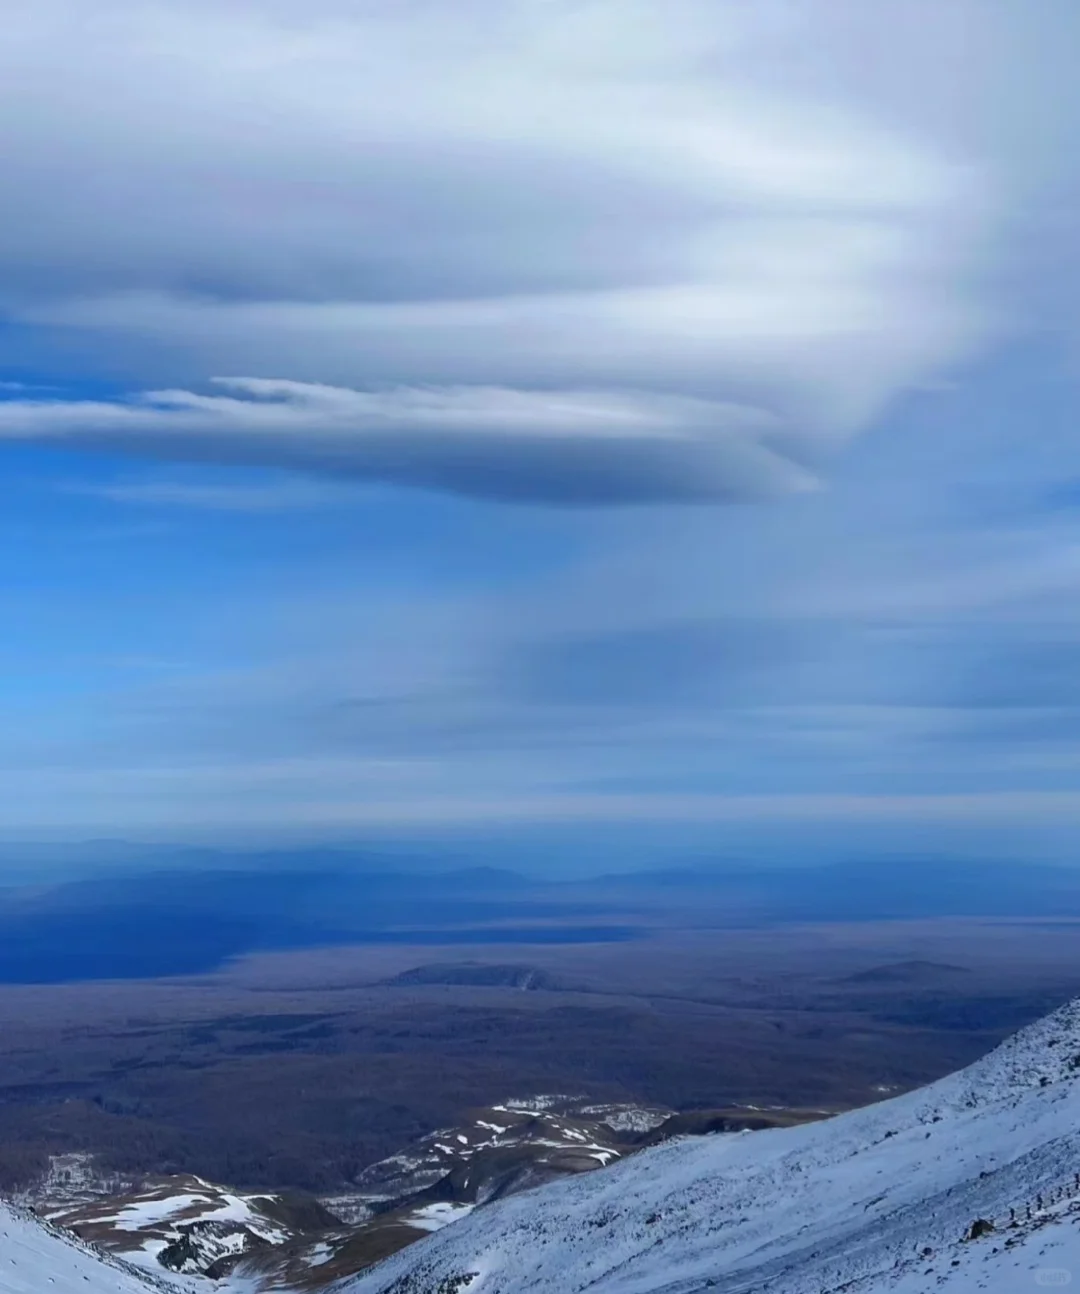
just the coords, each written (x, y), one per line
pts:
(504, 1148)
(498, 1151)
(191, 1226)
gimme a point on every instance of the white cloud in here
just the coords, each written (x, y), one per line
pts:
(551, 445)
(580, 251)
(686, 198)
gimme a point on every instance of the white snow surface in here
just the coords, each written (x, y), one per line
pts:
(158, 1208)
(433, 1217)
(152, 1212)
(877, 1201)
(36, 1259)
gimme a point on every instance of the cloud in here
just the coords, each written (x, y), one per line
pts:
(554, 446)
(586, 252)
(339, 796)
(617, 202)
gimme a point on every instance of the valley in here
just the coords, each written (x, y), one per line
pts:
(968, 1184)
(191, 1227)
(303, 1114)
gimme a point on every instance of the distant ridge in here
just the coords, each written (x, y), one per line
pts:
(478, 974)
(906, 972)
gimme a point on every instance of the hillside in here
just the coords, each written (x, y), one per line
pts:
(970, 1184)
(182, 1224)
(955, 1186)
(36, 1259)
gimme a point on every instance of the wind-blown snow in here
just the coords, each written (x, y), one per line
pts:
(878, 1201)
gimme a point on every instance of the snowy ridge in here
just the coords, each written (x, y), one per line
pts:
(1043, 1053)
(881, 1199)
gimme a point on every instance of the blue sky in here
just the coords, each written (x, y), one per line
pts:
(426, 415)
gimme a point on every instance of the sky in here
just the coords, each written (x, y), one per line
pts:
(429, 414)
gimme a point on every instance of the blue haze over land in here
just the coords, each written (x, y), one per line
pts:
(657, 422)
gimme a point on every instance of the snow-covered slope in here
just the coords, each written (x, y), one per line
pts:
(879, 1201)
(35, 1259)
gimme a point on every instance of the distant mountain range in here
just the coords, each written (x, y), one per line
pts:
(150, 923)
(144, 922)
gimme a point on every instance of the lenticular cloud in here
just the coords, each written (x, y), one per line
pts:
(554, 251)
(552, 446)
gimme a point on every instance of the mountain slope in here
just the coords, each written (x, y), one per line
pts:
(881, 1199)
(186, 1224)
(35, 1259)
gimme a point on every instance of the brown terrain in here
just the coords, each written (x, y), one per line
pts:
(297, 1071)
